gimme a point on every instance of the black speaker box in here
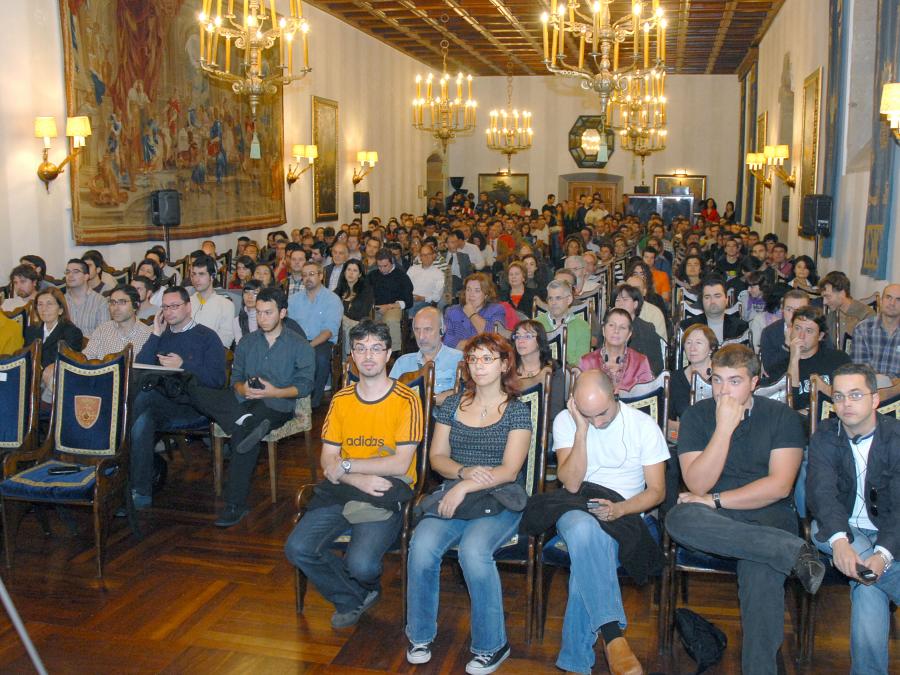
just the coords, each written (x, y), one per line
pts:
(165, 208)
(360, 202)
(815, 216)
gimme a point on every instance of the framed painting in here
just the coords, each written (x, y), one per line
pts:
(809, 148)
(325, 137)
(502, 185)
(760, 189)
(158, 122)
(663, 184)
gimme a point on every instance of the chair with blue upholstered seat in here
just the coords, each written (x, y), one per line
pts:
(422, 383)
(19, 398)
(88, 427)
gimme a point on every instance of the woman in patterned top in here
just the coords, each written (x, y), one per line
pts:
(481, 440)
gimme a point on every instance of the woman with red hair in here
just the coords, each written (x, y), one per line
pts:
(480, 442)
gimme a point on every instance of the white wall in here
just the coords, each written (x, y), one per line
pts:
(703, 123)
(801, 30)
(372, 83)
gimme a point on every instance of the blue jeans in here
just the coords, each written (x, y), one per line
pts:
(477, 539)
(594, 595)
(343, 581)
(870, 616)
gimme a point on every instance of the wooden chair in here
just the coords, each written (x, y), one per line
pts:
(88, 429)
(422, 382)
(778, 391)
(21, 315)
(700, 389)
(19, 398)
(123, 276)
(301, 422)
(651, 398)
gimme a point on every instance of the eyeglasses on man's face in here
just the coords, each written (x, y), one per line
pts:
(176, 305)
(374, 349)
(839, 397)
(118, 303)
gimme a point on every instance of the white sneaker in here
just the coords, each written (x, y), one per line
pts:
(483, 664)
(418, 653)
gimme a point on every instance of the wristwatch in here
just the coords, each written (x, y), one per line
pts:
(716, 500)
(888, 560)
(459, 473)
(345, 465)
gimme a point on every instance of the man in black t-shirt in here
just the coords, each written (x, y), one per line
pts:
(739, 457)
(729, 265)
(809, 353)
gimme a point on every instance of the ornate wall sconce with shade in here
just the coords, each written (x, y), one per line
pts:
(299, 153)
(77, 128)
(890, 107)
(367, 160)
(771, 162)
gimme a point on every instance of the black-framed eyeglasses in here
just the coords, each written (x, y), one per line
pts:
(873, 500)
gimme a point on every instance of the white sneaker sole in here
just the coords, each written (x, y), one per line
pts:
(418, 659)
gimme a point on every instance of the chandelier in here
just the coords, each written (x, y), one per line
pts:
(446, 117)
(642, 142)
(634, 90)
(256, 32)
(509, 131)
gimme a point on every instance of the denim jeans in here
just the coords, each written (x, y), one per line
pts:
(343, 581)
(152, 412)
(765, 557)
(870, 617)
(594, 595)
(477, 539)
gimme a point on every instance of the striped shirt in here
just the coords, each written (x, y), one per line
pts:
(873, 345)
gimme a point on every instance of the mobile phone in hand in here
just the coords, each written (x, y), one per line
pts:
(866, 575)
(254, 383)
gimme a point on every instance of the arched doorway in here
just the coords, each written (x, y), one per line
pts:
(434, 175)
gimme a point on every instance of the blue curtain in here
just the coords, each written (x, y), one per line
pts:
(753, 77)
(884, 149)
(835, 104)
(742, 144)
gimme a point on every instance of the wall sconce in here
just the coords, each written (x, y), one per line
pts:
(77, 128)
(771, 161)
(301, 152)
(890, 107)
(367, 160)
(680, 172)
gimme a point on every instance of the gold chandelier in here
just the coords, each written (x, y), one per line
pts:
(256, 32)
(509, 132)
(446, 116)
(642, 142)
(634, 90)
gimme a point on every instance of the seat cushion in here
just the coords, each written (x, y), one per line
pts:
(37, 484)
(698, 561)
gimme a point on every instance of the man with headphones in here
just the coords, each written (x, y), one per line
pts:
(602, 445)
(122, 329)
(428, 328)
(854, 495)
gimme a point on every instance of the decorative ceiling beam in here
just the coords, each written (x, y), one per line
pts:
(727, 17)
(684, 11)
(472, 21)
(448, 35)
(770, 17)
(749, 60)
(396, 25)
(515, 23)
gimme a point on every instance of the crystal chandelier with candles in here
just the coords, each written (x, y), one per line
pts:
(509, 131)
(255, 32)
(439, 113)
(635, 89)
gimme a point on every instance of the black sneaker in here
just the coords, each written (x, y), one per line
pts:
(419, 653)
(347, 619)
(809, 568)
(252, 439)
(231, 515)
(483, 664)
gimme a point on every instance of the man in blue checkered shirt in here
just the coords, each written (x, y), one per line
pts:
(876, 340)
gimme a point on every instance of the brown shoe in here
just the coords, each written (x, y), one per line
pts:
(620, 659)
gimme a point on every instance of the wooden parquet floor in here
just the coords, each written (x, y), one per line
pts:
(190, 598)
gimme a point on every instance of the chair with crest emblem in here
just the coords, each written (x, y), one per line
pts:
(19, 391)
(84, 460)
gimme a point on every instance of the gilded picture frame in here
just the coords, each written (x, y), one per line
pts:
(663, 184)
(760, 189)
(502, 185)
(325, 134)
(809, 147)
(158, 122)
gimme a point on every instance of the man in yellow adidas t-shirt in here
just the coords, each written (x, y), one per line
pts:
(370, 433)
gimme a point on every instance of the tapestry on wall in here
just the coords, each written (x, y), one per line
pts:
(159, 123)
(876, 254)
(809, 145)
